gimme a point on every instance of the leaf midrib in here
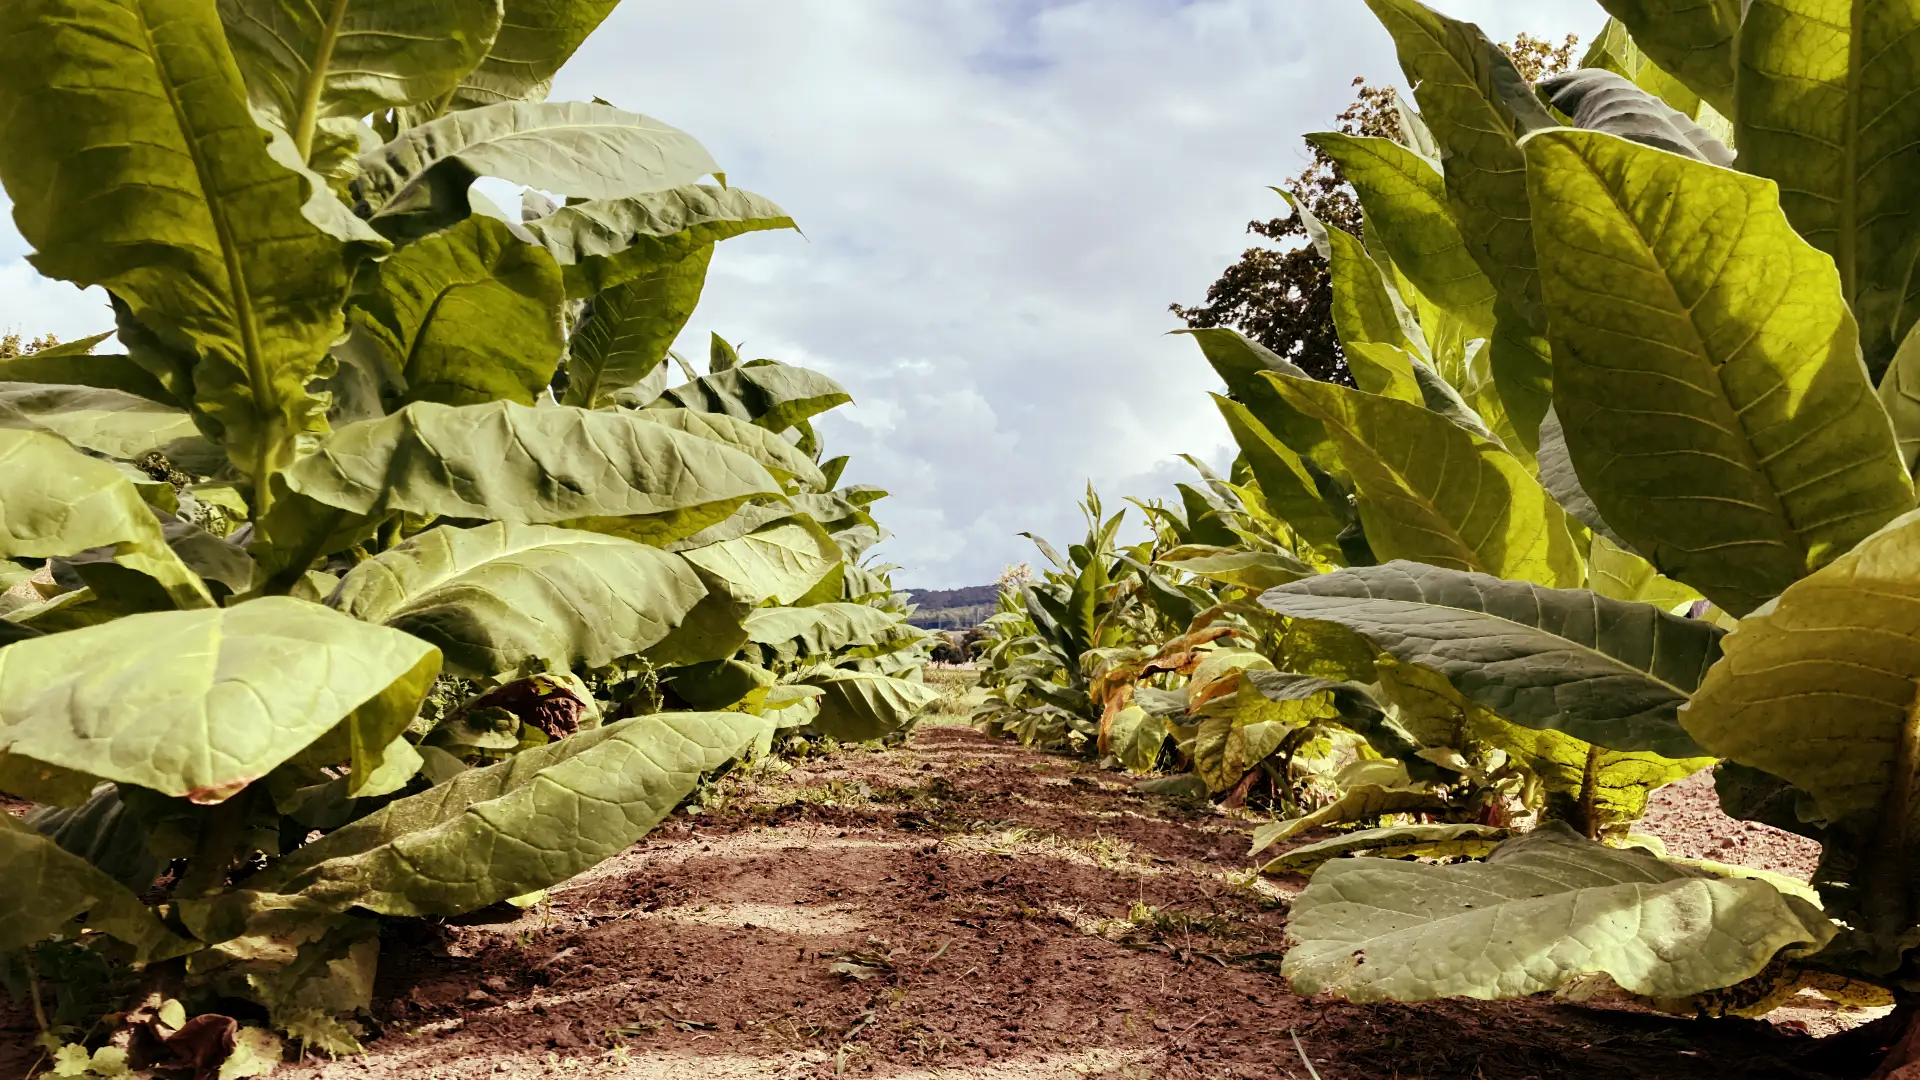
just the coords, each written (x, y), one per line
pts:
(1731, 419)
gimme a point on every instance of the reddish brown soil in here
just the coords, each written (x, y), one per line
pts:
(1687, 816)
(962, 907)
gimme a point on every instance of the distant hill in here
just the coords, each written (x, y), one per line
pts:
(953, 609)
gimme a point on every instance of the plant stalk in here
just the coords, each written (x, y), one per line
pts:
(308, 120)
(1889, 892)
(1589, 794)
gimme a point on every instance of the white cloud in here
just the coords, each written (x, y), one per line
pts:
(1000, 198)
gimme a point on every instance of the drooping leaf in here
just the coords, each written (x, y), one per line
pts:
(201, 703)
(111, 422)
(466, 316)
(1605, 671)
(1822, 109)
(572, 148)
(1393, 842)
(55, 500)
(857, 707)
(598, 469)
(497, 597)
(1544, 908)
(305, 61)
(1369, 790)
(1818, 689)
(602, 244)
(1707, 372)
(106, 372)
(774, 396)
(44, 888)
(542, 816)
(1255, 570)
(1600, 100)
(779, 562)
(233, 261)
(1694, 40)
(1478, 106)
(535, 39)
(1431, 491)
(825, 630)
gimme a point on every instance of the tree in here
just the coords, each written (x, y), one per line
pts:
(1284, 298)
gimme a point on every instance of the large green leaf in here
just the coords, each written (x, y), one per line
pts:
(1819, 688)
(44, 888)
(312, 60)
(585, 150)
(601, 469)
(203, 233)
(781, 562)
(539, 818)
(1478, 106)
(1432, 492)
(535, 39)
(1693, 39)
(774, 396)
(781, 458)
(1900, 396)
(1610, 672)
(202, 703)
(629, 328)
(1707, 371)
(497, 597)
(1545, 908)
(55, 500)
(110, 422)
(857, 707)
(602, 244)
(1825, 110)
(825, 630)
(466, 316)
(1405, 199)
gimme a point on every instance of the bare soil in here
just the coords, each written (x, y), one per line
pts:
(962, 907)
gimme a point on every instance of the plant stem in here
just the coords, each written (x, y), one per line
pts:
(33, 991)
(1589, 783)
(316, 82)
(219, 846)
(1889, 893)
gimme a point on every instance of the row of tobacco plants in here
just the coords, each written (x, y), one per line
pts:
(396, 568)
(1623, 493)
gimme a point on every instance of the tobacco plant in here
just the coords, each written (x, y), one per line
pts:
(1685, 342)
(383, 574)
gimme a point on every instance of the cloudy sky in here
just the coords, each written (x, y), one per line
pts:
(999, 199)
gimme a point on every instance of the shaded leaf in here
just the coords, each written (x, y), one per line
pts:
(1605, 671)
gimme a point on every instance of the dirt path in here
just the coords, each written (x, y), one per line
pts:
(956, 908)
